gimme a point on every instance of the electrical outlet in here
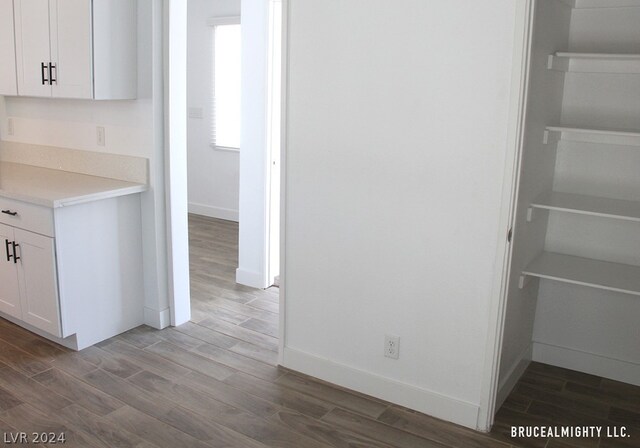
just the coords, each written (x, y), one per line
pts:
(100, 135)
(391, 346)
(10, 129)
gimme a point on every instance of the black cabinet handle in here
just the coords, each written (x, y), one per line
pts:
(9, 212)
(15, 254)
(52, 67)
(43, 69)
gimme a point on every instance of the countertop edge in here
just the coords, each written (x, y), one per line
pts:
(100, 195)
(140, 188)
(114, 188)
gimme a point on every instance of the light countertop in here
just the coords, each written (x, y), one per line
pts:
(55, 188)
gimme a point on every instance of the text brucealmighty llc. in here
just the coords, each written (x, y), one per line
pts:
(568, 432)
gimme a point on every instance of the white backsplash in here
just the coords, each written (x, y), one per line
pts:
(114, 166)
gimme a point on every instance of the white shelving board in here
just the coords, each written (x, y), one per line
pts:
(584, 271)
(585, 4)
(624, 137)
(622, 63)
(587, 205)
(607, 56)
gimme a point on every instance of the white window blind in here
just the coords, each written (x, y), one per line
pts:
(225, 106)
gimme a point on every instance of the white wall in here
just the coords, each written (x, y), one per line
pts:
(395, 153)
(130, 129)
(577, 327)
(213, 174)
(253, 253)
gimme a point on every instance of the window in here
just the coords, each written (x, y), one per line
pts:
(225, 109)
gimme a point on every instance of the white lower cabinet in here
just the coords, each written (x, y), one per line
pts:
(72, 274)
(38, 281)
(10, 291)
(29, 280)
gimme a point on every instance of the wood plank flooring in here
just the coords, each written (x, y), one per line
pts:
(214, 383)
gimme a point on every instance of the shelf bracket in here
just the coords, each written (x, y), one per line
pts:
(551, 136)
(529, 214)
(557, 63)
(524, 280)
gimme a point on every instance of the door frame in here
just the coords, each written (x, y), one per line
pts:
(175, 159)
(284, 121)
(275, 107)
(174, 57)
(523, 30)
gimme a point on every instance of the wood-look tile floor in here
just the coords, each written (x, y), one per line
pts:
(214, 383)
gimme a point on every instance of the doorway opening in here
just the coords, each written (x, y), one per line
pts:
(223, 195)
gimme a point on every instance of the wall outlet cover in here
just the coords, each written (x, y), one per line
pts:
(100, 137)
(391, 346)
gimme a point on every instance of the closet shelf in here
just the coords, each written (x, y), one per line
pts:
(621, 63)
(584, 4)
(586, 205)
(625, 137)
(612, 56)
(584, 271)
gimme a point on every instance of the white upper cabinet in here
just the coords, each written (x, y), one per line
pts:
(70, 31)
(76, 48)
(32, 47)
(8, 85)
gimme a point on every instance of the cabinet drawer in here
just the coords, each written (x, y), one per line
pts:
(34, 218)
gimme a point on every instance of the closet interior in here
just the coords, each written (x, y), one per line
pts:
(574, 286)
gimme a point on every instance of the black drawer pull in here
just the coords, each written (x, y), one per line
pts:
(43, 70)
(9, 212)
(15, 254)
(52, 67)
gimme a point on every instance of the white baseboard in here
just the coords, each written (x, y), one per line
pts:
(214, 212)
(251, 278)
(513, 375)
(615, 369)
(157, 319)
(421, 400)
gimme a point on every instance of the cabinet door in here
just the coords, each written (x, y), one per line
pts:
(71, 48)
(8, 83)
(38, 281)
(9, 290)
(33, 53)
